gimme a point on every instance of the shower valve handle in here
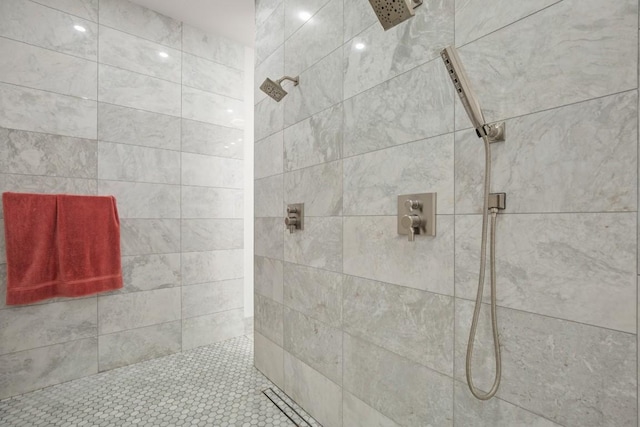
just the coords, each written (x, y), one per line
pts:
(413, 223)
(291, 222)
(413, 205)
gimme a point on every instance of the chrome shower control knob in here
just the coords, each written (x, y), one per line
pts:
(413, 223)
(291, 221)
(412, 204)
(292, 210)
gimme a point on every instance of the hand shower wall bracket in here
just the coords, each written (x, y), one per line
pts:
(495, 132)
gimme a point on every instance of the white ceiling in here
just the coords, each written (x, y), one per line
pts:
(234, 19)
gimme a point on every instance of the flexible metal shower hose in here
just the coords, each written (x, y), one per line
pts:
(476, 312)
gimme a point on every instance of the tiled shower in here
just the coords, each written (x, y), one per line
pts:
(362, 327)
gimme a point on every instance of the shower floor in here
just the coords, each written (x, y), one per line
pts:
(215, 385)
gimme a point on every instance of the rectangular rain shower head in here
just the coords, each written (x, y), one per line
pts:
(273, 89)
(393, 12)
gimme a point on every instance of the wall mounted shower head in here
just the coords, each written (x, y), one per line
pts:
(393, 12)
(274, 89)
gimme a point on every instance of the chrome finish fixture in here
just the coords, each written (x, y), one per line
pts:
(393, 12)
(275, 90)
(494, 132)
(417, 215)
(295, 217)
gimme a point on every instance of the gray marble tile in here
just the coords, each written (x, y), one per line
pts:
(272, 67)
(319, 36)
(318, 187)
(315, 293)
(133, 53)
(212, 108)
(472, 412)
(211, 171)
(212, 77)
(149, 236)
(213, 140)
(374, 250)
(22, 328)
(268, 155)
(315, 140)
(268, 277)
(269, 237)
(122, 162)
(514, 71)
(140, 21)
(314, 343)
(211, 234)
(44, 69)
(264, 8)
(42, 26)
(270, 34)
(269, 359)
(141, 200)
(41, 367)
(212, 266)
(129, 89)
(213, 47)
(358, 16)
(268, 317)
(269, 118)
(372, 183)
(578, 267)
(49, 184)
(376, 55)
(138, 309)
(212, 328)
(136, 127)
(298, 12)
(209, 298)
(320, 87)
(578, 158)
(137, 345)
(38, 111)
(87, 9)
(406, 392)
(149, 272)
(356, 413)
(269, 196)
(319, 396)
(319, 245)
(412, 106)
(203, 202)
(415, 324)
(469, 27)
(44, 154)
(574, 374)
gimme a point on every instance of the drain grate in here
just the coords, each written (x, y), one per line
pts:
(288, 407)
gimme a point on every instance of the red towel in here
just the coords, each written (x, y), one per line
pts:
(60, 245)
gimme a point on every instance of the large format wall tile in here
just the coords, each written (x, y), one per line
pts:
(372, 183)
(315, 293)
(319, 245)
(388, 53)
(356, 413)
(209, 298)
(137, 345)
(211, 171)
(211, 234)
(203, 202)
(415, 105)
(358, 16)
(269, 237)
(47, 366)
(212, 328)
(404, 391)
(129, 89)
(268, 359)
(212, 47)
(134, 19)
(296, 13)
(264, 8)
(133, 53)
(270, 34)
(578, 267)
(44, 69)
(48, 184)
(213, 140)
(39, 111)
(268, 318)
(415, 324)
(212, 77)
(268, 198)
(149, 272)
(268, 155)
(374, 250)
(268, 277)
(136, 127)
(65, 321)
(135, 310)
(269, 118)
(212, 108)
(149, 236)
(212, 266)
(141, 200)
(515, 71)
(574, 374)
(315, 140)
(131, 163)
(39, 25)
(318, 187)
(578, 158)
(272, 67)
(87, 9)
(319, 396)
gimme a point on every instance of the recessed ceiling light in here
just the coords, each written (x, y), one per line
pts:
(305, 16)
(229, 110)
(360, 46)
(163, 54)
(226, 146)
(233, 143)
(80, 28)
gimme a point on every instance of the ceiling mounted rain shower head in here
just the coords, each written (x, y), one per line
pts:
(275, 90)
(393, 12)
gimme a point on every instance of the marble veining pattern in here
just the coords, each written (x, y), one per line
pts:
(212, 77)
(87, 9)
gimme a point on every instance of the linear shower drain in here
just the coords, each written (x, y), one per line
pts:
(288, 407)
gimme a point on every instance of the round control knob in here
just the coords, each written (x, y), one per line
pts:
(291, 221)
(411, 221)
(412, 204)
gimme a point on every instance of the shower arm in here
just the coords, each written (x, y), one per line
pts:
(295, 80)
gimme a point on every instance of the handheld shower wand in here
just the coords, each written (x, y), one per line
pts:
(491, 202)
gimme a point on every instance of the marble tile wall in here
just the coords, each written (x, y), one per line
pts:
(102, 112)
(365, 329)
